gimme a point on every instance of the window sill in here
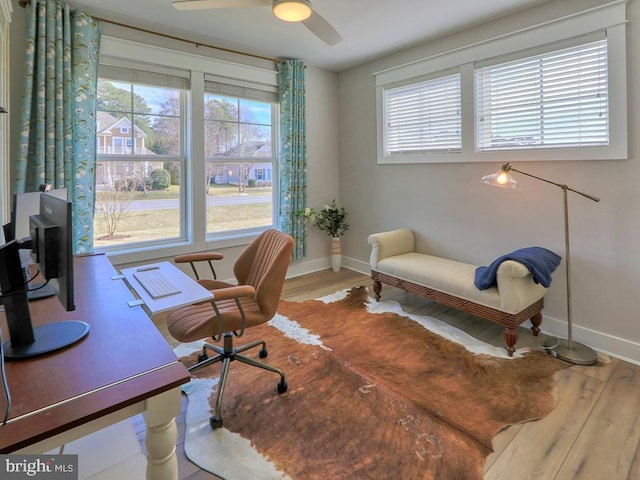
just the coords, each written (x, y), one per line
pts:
(128, 255)
(613, 152)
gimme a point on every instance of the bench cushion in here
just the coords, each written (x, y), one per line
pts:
(441, 274)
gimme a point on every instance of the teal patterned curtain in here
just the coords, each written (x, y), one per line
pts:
(58, 127)
(293, 153)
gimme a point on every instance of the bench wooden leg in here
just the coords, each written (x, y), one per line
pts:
(377, 289)
(511, 338)
(536, 320)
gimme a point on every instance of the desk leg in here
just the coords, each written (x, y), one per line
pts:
(160, 416)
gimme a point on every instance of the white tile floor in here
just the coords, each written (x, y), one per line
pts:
(110, 453)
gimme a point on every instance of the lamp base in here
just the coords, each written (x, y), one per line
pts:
(578, 353)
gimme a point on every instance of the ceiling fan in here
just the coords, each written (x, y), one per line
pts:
(288, 10)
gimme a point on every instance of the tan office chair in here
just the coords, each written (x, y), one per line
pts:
(260, 272)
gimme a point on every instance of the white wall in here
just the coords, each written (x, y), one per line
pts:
(456, 216)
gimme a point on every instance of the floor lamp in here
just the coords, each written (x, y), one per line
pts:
(567, 350)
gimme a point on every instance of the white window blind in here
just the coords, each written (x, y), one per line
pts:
(240, 89)
(424, 117)
(165, 78)
(556, 99)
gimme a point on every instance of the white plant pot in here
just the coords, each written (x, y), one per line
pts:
(336, 254)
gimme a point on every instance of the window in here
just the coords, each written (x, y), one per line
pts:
(554, 91)
(554, 99)
(424, 116)
(140, 157)
(123, 169)
(240, 157)
(228, 175)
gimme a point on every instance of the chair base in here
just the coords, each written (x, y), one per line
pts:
(226, 355)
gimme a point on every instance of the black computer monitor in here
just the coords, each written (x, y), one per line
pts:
(24, 205)
(52, 246)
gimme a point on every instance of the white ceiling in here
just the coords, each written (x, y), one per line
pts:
(370, 28)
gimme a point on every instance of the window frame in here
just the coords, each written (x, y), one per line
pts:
(610, 19)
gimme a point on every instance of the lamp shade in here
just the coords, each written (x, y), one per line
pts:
(502, 178)
(292, 10)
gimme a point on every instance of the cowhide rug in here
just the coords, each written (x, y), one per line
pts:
(371, 395)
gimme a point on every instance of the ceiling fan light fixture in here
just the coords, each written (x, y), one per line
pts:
(292, 10)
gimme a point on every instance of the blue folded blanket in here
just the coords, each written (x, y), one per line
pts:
(540, 262)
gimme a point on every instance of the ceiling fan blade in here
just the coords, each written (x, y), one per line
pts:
(211, 4)
(322, 29)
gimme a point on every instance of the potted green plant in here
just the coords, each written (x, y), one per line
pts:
(331, 219)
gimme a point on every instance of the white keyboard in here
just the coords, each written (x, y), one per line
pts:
(155, 283)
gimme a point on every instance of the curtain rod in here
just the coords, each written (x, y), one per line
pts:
(24, 3)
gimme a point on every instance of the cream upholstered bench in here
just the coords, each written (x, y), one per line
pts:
(515, 299)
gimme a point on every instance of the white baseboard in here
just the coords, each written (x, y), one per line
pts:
(304, 267)
(357, 265)
(600, 341)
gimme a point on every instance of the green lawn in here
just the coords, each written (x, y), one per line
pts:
(174, 192)
(149, 225)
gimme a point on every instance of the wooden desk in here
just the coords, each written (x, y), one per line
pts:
(122, 367)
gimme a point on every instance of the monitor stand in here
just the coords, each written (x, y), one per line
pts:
(48, 338)
(26, 341)
(39, 290)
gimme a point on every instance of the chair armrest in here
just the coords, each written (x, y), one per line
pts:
(214, 284)
(516, 287)
(233, 292)
(388, 244)
(198, 257)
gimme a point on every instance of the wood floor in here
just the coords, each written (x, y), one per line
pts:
(592, 434)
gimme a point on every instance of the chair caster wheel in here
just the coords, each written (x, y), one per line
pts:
(263, 353)
(282, 386)
(202, 357)
(215, 422)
